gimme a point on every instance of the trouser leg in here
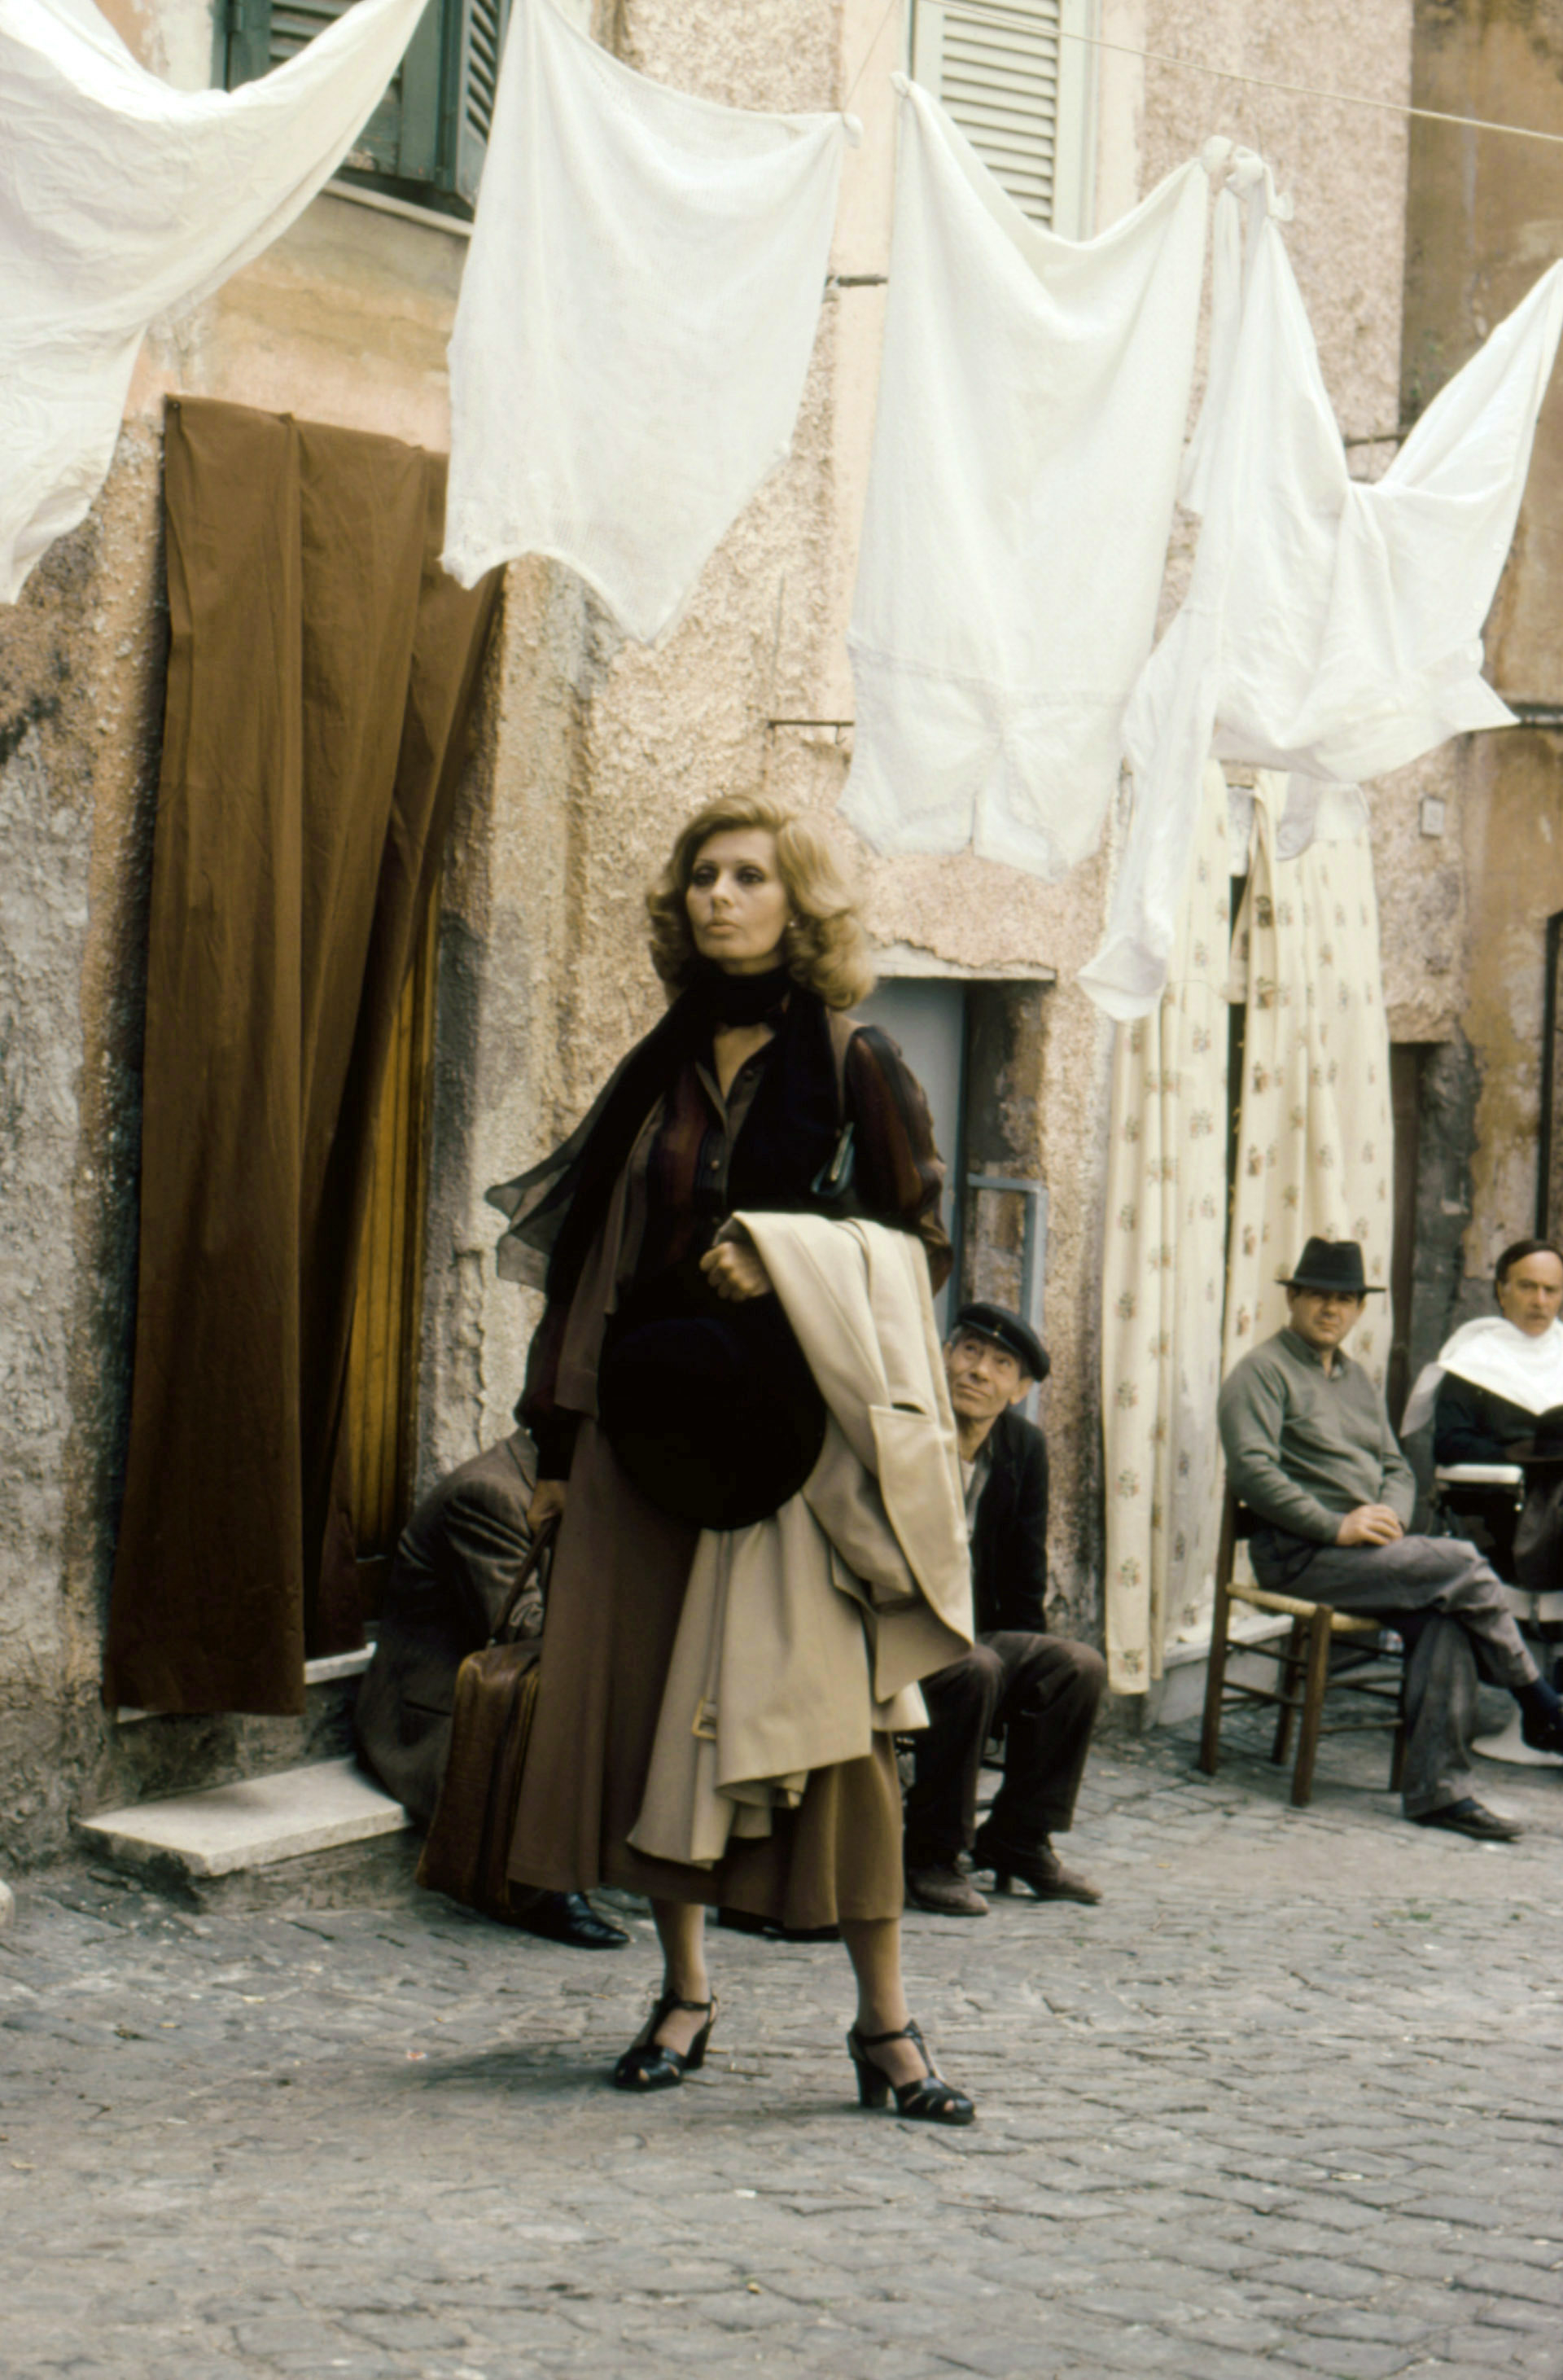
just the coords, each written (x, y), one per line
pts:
(941, 1811)
(1457, 1595)
(1048, 1704)
(1438, 1574)
(1440, 1708)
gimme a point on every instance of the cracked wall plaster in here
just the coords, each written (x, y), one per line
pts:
(594, 751)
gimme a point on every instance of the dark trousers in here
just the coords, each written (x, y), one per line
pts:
(1451, 1610)
(1046, 1689)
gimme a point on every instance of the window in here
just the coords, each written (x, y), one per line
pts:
(426, 139)
(1023, 92)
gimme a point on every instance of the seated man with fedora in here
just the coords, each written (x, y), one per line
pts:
(457, 1564)
(1310, 1451)
(1044, 1689)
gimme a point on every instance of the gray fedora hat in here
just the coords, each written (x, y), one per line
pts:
(1333, 1265)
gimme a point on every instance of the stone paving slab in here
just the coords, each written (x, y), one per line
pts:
(1288, 2103)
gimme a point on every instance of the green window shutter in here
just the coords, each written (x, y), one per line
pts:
(1024, 96)
(479, 38)
(249, 37)
(402, 138)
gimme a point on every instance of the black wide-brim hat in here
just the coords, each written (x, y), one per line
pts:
(1333, 1266)
(708, 1405)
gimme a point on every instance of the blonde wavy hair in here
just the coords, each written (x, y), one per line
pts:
(824, 942)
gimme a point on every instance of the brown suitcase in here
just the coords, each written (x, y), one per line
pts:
(496, 1693)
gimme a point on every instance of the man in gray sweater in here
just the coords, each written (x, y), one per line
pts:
(1310, 1451)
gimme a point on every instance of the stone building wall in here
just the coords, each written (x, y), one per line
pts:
(592, 751)
(1484, 216)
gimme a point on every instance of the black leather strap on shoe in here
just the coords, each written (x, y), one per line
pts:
(929, 2100)
(648, 2064)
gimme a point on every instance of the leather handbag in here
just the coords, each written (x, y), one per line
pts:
(468, 1847)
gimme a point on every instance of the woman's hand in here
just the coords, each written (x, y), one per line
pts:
(548, 1503)
(735, 1270)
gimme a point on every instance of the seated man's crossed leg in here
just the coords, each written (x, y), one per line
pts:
(1310, 1450)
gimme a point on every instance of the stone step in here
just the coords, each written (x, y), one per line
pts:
(295, 1828)
(1178, 1694)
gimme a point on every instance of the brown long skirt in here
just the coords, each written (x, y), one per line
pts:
(615, 1600)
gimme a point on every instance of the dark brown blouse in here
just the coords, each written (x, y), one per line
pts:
(675, 1201)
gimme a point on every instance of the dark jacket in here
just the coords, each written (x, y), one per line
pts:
(1472, 1425)
(456, 1570)
(1010, 1537)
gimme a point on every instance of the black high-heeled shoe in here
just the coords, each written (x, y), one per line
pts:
(651, 2065)
(929, 2100)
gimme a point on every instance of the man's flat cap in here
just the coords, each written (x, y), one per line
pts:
(1007, 1331)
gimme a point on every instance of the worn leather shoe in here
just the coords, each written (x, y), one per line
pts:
(1541, 1732)
(1041, 1868)
(944, 1890)
(1471, 1818)
(568, 1917)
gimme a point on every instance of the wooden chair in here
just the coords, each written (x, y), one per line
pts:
(1306, 1674)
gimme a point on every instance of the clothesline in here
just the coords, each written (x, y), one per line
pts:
(1000, 15)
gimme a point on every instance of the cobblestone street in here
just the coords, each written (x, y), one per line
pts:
(1288, 2102)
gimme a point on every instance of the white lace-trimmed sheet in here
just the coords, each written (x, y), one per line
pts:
(636, 316)
(1033, 401)
(121, 198)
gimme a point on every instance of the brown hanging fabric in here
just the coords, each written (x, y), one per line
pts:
(320, 679)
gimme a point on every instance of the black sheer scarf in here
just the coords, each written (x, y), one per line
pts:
(789, 1137)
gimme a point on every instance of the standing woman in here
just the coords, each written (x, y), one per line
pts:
(741, 1098)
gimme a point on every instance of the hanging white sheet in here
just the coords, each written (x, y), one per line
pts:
(1331, 627)
(120, 198)
(1033, 401)
(636, 319)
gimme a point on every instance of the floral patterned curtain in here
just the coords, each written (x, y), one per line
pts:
(1315, 1138)
(1163, 1267)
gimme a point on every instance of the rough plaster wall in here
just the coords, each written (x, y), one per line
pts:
(1485, 216)
(596, 750)
(513, 1059)
(1513, 839)
(344, 320)
(81, 684)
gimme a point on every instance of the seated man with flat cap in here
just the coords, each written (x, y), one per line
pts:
(1044, 1689)
(457, 1564)
(1310, 1451)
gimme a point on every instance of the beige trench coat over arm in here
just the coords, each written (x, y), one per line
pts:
(804, 1633)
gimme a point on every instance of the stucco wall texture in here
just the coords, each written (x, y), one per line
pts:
(1485, 216)
(593, 751)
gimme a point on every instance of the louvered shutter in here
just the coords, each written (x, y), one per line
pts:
(483, 38)
(1023, 94)
(402, 138)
